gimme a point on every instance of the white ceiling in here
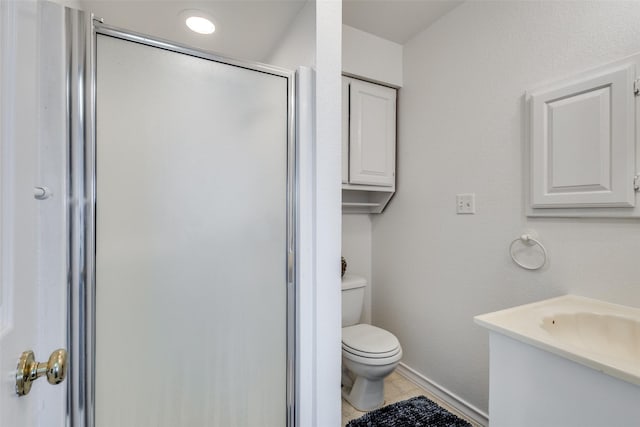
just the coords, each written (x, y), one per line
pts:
(245, 29)
(395, 20)
(250, 29)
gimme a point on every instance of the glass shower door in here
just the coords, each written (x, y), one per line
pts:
(192, 218)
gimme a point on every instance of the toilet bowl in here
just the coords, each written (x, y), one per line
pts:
(369, 353)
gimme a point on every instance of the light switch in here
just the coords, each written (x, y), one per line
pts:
(466, 203)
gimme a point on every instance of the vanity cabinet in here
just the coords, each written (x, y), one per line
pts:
(368, 145)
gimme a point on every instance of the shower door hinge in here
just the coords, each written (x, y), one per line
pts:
(636, 87)
(290, 263)
(636, 183)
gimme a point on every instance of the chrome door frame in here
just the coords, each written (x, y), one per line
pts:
(82, 31)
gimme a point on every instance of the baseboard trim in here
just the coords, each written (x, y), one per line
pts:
(445, 395)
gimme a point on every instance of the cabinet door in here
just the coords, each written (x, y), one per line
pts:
(372, 131)
(345, 130)
(583, 141)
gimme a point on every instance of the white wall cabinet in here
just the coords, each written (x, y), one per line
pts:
(582, 152)
(371, 141)
(368, 145)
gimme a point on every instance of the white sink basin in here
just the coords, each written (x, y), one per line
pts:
(605, 334)
(601, 335)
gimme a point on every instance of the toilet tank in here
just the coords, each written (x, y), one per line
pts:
(352, 299)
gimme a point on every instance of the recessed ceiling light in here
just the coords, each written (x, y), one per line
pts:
(200, 25)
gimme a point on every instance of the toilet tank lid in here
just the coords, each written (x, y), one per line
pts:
(351, 281)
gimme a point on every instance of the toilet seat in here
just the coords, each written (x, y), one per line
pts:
(370, 344)
(370, 355)
(371, 361)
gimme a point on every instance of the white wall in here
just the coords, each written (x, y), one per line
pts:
(461, 130)
(356, 249)
(371, 57)
(314, 40)
(328, 173)
(75, 4)
(297, 47)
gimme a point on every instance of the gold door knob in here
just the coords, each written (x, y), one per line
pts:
(29, 370)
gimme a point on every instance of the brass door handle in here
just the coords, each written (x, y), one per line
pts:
(29, 370)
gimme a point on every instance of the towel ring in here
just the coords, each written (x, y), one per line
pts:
(526, 239)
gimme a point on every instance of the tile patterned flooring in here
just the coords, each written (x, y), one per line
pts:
(397, 388)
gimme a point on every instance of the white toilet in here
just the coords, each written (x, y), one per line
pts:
(369, 354)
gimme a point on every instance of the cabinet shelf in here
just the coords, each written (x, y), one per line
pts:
(353, 187)
(360, 205)
(359, 201)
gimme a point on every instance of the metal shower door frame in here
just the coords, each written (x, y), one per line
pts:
(82, 31)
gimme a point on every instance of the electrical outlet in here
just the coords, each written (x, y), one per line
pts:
(466, 203)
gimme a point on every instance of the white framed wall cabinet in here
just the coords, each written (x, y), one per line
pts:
(582, 152)
(368, 145)
(372, 134)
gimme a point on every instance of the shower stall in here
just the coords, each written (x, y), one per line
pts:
(175, 190)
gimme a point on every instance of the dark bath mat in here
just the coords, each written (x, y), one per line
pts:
(415, 412)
